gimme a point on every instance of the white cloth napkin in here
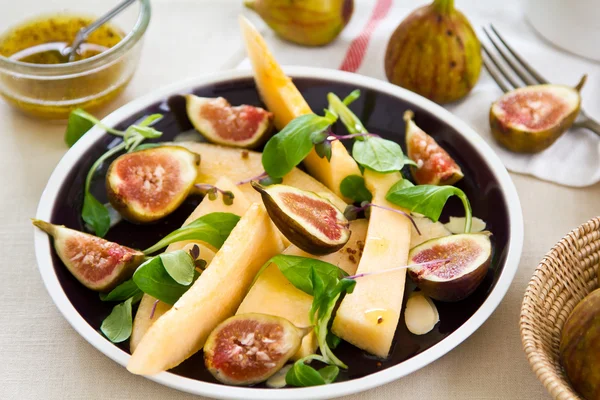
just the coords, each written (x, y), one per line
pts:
(574, 160)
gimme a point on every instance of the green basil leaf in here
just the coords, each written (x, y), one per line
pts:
(428, 200)
(213, 228)
(152, 278)
(117, 326)
(122, 292)
(298, 270)
(348, 118)
(329, 373)
(302, 375)
(179, 265)
(292, 144)
(79, 123)
(95, 214)
(378, 154)
(353, 187)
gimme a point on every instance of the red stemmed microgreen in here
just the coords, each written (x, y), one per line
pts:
(351, 212)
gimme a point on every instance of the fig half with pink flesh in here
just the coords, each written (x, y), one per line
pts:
(434, 164)
(308, 220)
(249, 348)
(219, 122)
(464, 262)
(97, 263)
(531, 119)
(147, 185)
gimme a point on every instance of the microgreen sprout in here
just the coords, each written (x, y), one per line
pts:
(212, 190)
(263, 178)
(153, 309)
(438, 263)
(351, 212)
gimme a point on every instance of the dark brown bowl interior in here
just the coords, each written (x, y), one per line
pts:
(381, 114)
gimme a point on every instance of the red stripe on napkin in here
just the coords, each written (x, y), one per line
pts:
(358, 46)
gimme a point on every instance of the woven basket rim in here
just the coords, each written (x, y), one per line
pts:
(551, 295)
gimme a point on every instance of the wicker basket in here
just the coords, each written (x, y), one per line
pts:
(564, 277)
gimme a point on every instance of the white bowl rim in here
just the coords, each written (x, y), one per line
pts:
(44, 258)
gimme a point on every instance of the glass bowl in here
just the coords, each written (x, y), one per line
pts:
(53, 90)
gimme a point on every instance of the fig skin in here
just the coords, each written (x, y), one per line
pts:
(457, 287)
(249, 348)
(526, 140)
(160, 179)
(436, 167)
(580, 347)
(87, 257)
(308, 22)
(434, 52)
(296, 231)
(221, 123)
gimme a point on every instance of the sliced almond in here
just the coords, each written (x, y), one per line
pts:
(457, 225)
(421, 314)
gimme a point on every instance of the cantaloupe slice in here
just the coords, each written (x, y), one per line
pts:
(273, 294)
(239, 165)
(142, 321)
(368, 317)
(214, 297)
(286, 103)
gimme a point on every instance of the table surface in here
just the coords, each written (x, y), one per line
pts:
(42, 357)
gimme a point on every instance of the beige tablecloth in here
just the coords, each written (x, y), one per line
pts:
(42, 357)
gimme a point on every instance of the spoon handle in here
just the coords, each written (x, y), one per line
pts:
(83, 33)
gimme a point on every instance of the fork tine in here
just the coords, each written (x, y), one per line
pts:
(495, 76)
(517, 69)
(520, 59)
(506, 74)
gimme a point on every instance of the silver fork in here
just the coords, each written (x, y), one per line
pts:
(504, 68)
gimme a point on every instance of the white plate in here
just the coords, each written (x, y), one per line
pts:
(43, 248)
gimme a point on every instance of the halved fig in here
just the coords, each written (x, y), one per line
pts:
(249, 348)
(434, 164)
(530, 119)
(97, 263)
(242, 126)
(308, 220)
(467, 258)
(421, 314)
(150, 184)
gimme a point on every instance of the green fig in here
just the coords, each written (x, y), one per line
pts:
(309, 221)
(434, 52)
(97, 263)
(242, 126)
(147, 185)
(532, 118)
(434, 164)
(580, 347)
(308, 22)
(249, 348)
(464, 262)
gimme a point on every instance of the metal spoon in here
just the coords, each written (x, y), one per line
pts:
(70, 52)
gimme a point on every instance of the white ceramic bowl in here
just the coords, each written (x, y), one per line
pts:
(43, 248)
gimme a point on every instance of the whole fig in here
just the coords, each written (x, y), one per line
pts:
(308, 22)
(580, 347)
(434, 52)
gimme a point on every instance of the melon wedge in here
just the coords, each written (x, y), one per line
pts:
(284, 100)
(214, 297)
(238, 165)
(273, 294)
(142, 321)
(368, 317)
